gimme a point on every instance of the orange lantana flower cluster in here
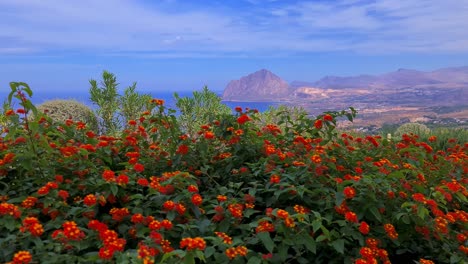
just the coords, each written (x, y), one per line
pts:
(193, 243)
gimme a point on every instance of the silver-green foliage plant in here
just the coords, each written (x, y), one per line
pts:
(60, 110)
(413, 128)
(115, 110)
(105, 97)
(133, 103)
(3, 118)
(201, 108)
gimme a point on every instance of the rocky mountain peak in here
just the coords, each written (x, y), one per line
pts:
(262, 85)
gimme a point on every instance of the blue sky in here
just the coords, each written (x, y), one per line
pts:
(183, 45)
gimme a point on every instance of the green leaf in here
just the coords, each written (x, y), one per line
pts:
(189, 258)
(114, 189)
(338, 245)
(27, 163)
(209, 251)
(283, 252)
(38, 242)
(397, 175)
(310, 244)
(75, 211)
(224, 225)
(9, 223)
(406, 204)
(289, 242)
(27, 89)
(180, 253)
(316, 225)
(339, 197)
(249, 212)
(137, 196)
(375, 212)
(422, 212)
(204, 225)
(325, 231)
(321, 238)
(302, 260)
(171, 215)
(254, 260)
(462, 197)
(200, 255)
(17, 199)
(14, 89)
(405, 219)
(91, 256)
(300, 191)
(455, 259)
(267, 241)
(399, 215)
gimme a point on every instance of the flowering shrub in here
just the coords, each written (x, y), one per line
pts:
(232, 192)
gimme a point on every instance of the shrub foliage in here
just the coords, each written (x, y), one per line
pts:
(201, 108)
(115, 110)
(412, 128)
(61, 110)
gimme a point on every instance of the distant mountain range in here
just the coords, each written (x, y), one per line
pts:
(436, 97)
(263, 85)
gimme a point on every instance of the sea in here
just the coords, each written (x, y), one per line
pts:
(39, 97)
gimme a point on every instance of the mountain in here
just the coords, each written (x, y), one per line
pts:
(262, 85)
(403, 87)
(402, 78)
(404, 94)
(297, 84)
(345, 82)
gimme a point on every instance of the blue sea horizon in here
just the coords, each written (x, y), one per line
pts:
(40, 97)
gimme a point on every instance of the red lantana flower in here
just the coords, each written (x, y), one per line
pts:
(364, 228)
(243, 119)
(138, 167)
(349, 192)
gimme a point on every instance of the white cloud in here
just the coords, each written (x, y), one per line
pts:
(19, 50)
(323, 17)
(386, 26)
(113, 26)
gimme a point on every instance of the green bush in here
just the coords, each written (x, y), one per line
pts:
(237, 193)
(199, 109)
(60, 110)
(280, 114)
(413, 128)
(115, 110)
(445, 135)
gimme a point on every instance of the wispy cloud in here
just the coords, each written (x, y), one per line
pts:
(177, 29)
